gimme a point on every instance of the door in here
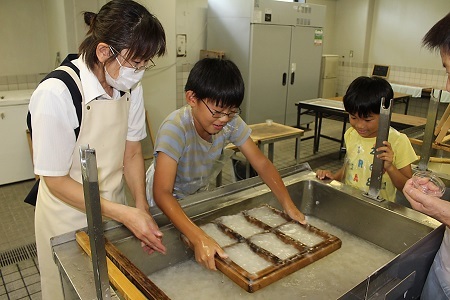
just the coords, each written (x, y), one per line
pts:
(305, 61)
(15, 157)
(268, 76)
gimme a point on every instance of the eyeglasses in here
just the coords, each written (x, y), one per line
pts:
(150, 64)
(219, 114)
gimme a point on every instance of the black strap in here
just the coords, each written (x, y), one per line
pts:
(71, 85)
(77, 99)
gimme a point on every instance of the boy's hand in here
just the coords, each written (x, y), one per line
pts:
(295, 214)
(205, 249)
(387, 154)
(324, 174)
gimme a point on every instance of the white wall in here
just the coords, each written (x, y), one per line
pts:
(23, 35)
(191, 20)
(160, 82)
(329, 35)
(378, 31)
(351, 28)
(398, 29)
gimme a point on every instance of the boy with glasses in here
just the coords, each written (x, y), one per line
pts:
(191, 140)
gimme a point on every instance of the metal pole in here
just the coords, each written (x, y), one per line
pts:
(95, 222)
(429, 136)
(378, 164)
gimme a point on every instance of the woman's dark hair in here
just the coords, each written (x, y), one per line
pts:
(123, 24)
(218, 80)
(438, 37)
(363, 96)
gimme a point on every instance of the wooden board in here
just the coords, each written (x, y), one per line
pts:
(116, 277)
(279, 268)
(123, 274)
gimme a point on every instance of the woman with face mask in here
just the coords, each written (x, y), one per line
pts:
(122, 39)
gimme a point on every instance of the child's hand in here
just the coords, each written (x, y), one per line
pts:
(205, 249)
(387, 154)
(324, 174)
(295, 214)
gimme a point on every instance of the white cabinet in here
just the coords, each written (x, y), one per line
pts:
(15, 158)
(277, 47)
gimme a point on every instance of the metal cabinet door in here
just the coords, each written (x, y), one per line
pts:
(15, 157)
(305, 59)
(269, 59)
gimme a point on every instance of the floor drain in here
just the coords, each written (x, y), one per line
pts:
(17, 255)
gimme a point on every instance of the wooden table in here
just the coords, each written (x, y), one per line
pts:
(264, 134)
(335, 107)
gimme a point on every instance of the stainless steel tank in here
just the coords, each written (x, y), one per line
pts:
(394, 246)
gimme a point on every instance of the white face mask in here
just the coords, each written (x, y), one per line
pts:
(126, 80)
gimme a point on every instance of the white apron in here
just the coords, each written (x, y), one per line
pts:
(104, 127)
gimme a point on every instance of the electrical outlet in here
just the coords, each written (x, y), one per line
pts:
(350, 54)
(181, 45)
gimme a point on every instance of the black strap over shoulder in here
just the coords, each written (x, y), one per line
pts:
(71, 85)
(77, 99)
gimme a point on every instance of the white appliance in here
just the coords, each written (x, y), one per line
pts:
(15, 157)
(277, 47)
(328, 75)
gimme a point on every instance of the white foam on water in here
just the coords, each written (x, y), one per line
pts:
(218, 235)
(238, 223)
(327, 278)
(242, 255)
(267, 216)
(301, 234)
(270, 242)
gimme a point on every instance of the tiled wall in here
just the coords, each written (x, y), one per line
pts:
(346, 74)
(182, 75)
(398, 74)
(20, 82)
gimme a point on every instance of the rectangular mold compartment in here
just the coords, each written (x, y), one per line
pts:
(397, 246)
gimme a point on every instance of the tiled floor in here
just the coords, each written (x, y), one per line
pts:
(19, 270)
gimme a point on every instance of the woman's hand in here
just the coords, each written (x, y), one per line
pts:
(427, 204)
(141, 223)
(205, 249)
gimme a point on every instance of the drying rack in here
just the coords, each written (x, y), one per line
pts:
(435, 136)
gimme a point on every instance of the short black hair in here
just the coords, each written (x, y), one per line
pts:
(123, 24)
(363, 96)
(438, 37)
(218, 80)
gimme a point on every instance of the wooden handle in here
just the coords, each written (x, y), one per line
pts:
(128, 290)
(443, 160)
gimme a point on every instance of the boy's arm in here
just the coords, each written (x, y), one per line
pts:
(269, 174)
(163, 185)
(399, 176)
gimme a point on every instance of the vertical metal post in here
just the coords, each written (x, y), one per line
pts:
(378, 165)
(429, 136)
(94, 220)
